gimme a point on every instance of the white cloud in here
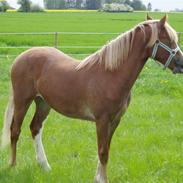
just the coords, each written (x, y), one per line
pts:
(14, 4)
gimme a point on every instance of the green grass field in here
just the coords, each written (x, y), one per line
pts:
(148, 144)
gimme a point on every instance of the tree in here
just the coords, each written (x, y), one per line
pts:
(128, 2)
(25, 5)
(149, 6)
(55, 4)
(138, 5)
(93, 4)
(61, 4)
(78, 3)
(119, 1)
(108, 1)
(70, 3)
(3, 5)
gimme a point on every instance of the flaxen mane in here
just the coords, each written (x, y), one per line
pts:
(116, 51)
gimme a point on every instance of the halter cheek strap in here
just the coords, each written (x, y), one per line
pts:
(170, 50)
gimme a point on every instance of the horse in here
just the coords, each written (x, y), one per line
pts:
(96, 89)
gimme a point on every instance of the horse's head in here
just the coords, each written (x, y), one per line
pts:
(165, 48)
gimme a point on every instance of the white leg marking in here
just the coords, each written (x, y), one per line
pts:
(40, 154)
(101, 175)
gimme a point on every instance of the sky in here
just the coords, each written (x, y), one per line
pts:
(164, 5)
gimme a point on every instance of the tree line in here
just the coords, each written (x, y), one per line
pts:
(28, 6)
(90, 4)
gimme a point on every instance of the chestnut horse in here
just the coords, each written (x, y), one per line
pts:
(95, 89)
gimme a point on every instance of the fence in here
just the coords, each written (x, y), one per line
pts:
(57, 43)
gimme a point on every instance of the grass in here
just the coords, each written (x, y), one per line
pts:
(148, 144)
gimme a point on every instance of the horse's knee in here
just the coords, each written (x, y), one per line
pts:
(103, 155)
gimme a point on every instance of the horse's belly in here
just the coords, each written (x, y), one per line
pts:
(84, 114)
(70, 107)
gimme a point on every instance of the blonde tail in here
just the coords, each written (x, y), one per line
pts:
(8, 118)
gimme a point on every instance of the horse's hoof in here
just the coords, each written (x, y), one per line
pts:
(11, 163)
(98, 179)
(45, 166)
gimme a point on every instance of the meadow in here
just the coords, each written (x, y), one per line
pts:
(147, 147)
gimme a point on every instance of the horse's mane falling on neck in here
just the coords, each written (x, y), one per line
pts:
(117, 51)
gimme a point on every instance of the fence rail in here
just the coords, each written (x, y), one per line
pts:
(56, 40)
(53, 33)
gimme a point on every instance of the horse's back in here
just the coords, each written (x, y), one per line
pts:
(37, 58)
(29, 66)
(42, 54)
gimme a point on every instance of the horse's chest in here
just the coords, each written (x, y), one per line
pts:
(123, 106)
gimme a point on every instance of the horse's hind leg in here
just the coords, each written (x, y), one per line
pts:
(20, 108)
(36, 126)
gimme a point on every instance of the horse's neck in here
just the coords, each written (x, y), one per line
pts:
(131, 69)
(138, 56)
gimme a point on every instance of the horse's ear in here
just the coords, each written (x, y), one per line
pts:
(163, 20)
(148, 17)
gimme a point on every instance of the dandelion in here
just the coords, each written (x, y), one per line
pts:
(163, 81)
(11, 10)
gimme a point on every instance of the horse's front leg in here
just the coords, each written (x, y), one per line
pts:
(105, 129)
(102, 126)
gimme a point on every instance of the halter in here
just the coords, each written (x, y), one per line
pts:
(172, 52)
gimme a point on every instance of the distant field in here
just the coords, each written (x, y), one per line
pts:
(71, 22)
(59, 10)
(148, 144)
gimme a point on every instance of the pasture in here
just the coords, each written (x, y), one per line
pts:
(148, 144)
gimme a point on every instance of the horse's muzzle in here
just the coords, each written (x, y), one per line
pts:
(178, 70)
(178, 66)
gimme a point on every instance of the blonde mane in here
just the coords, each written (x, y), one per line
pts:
(116, 51)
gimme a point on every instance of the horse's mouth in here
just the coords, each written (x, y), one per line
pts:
(178, 70)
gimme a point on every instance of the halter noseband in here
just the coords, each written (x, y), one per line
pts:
(172, 52)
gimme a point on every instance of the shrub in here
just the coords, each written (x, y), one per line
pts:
(36, 8)
(3, 6)
(114, 7)
(24, 5)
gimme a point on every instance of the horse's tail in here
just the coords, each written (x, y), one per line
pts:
(8, 118)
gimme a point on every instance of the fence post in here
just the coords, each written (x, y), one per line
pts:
(179, 38)
(56, 40)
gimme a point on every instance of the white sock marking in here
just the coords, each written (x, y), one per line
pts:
(101, 175)
(40, 153)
